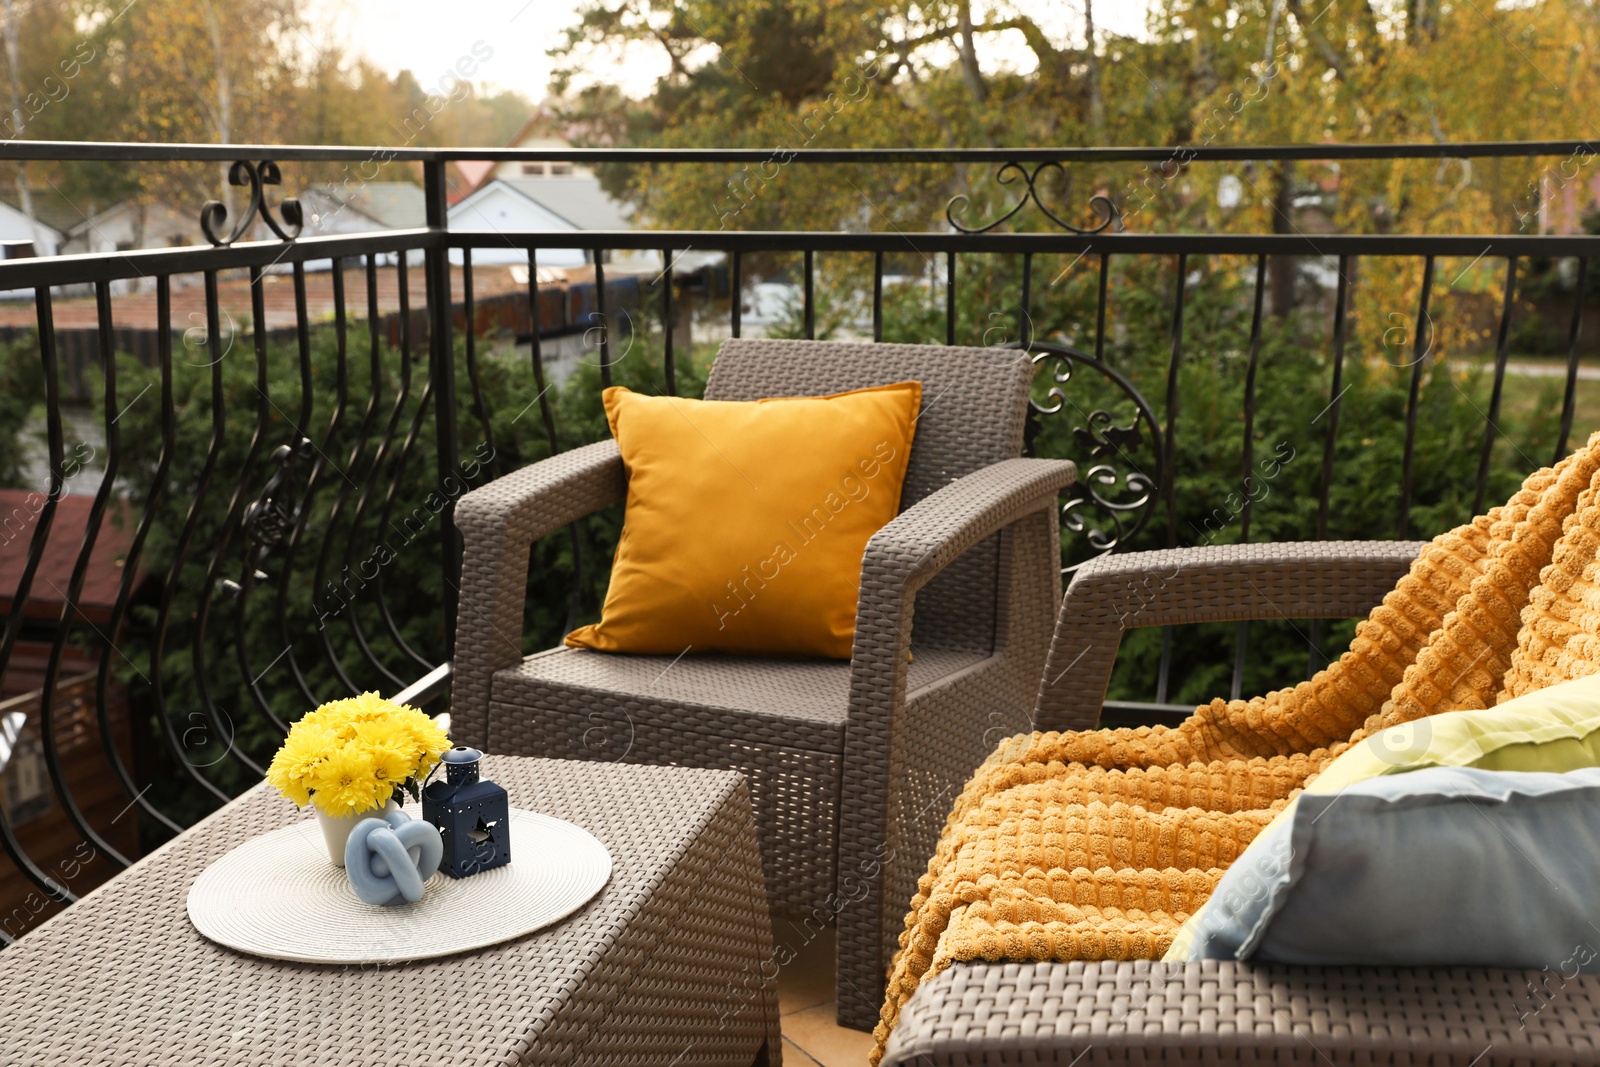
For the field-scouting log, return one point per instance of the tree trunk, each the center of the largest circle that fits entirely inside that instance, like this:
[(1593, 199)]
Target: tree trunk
[(1421, 20), (224, 112), (1097, 106), (24, 194), (1283, 267), (1272, 33), (969, 53)]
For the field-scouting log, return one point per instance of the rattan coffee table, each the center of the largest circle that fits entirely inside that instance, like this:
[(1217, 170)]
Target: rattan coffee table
[(665, 966)]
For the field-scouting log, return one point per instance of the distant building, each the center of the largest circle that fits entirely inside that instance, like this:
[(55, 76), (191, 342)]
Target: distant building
[(1559, 204), (129, 225), (510, 196), (332, 208), (326, 208), (19, 237), (573, 204), (541, 132)]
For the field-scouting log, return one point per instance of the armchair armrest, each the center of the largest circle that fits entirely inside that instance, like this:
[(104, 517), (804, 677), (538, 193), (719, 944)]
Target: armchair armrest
[(499, 523), (926, 538), (545, 496), (932, 533), (1215, 583)]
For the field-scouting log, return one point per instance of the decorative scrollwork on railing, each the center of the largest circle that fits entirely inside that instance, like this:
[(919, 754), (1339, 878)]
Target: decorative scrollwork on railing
[(270, 517), (1121, 461), (1011, 172), (257, 176)]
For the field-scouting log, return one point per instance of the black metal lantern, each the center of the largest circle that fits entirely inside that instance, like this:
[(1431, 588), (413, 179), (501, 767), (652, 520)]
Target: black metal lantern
[(472, 815)]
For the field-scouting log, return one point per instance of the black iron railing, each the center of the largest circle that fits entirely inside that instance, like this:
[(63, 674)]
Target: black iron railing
[(278, 500)]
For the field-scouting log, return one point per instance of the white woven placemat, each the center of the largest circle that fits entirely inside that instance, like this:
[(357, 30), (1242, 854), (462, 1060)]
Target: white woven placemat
[(278, 896)]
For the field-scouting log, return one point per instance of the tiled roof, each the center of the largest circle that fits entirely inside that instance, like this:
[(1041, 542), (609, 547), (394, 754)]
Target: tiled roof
[(397, 205), (19, 514)]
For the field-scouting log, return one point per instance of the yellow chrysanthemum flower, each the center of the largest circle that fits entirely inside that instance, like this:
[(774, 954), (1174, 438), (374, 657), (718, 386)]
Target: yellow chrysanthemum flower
[(427, 739), (351, 755), (346, 782), (370, 707), (392, 765), (294, 766), (375, 731)]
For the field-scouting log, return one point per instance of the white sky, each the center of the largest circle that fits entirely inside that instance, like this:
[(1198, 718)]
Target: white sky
[(429, 37)]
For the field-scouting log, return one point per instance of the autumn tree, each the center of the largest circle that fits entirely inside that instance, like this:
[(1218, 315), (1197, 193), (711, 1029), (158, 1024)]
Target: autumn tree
[(252, 71), (956, 73)]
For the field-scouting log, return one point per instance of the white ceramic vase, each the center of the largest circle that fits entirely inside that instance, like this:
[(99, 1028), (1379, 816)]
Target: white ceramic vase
[(336, 828)]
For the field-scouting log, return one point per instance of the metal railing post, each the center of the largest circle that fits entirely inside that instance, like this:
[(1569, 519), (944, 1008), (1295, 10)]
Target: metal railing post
[(442, 369)]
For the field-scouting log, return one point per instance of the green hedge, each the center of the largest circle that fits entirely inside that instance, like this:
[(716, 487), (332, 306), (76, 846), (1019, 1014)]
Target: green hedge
[(1292, 397)]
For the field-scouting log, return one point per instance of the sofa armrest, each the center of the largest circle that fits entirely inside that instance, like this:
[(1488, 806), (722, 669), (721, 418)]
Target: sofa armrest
[(499, 523), (1215, 583), (1229, 1011)]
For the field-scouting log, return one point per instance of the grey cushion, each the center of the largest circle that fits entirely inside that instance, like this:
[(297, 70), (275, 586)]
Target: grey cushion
[(1439, 866)]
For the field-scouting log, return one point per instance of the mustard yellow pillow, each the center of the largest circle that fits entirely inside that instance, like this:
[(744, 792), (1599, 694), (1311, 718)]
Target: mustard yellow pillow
[(746, 520)]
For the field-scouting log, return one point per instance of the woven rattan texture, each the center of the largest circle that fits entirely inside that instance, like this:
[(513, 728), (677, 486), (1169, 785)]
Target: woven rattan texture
[(794, 787), (907, 759), (850, 792), (1236, 1012), (499, 523), (1218, 583), (810, 697), (663, 967), (793, 770), (1061, 1013)]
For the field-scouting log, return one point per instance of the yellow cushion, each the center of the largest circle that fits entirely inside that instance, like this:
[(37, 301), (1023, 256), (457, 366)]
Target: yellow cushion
[(1555, 729), (746, 521)]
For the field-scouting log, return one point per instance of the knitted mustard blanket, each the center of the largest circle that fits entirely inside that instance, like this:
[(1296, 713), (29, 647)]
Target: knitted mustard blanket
[(1098, 844)]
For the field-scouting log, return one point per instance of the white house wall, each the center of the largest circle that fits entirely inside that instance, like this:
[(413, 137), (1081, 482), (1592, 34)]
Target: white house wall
[(14, 226), (498, 209)]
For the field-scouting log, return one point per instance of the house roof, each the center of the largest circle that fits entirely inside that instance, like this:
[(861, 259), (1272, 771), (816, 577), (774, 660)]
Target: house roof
[(99, 218), (476, 173), (396, 205), (19, 512), (469, 174), (158, 217), (497, 206), (541, 122), (578, 199)]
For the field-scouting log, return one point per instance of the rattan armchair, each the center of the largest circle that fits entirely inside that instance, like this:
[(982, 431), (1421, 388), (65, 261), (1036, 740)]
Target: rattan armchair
[(1231, 1011), (852, 765)]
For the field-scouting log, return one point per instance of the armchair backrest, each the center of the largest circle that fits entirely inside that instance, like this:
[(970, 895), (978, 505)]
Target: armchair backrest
[(974, 400), (974, 407)]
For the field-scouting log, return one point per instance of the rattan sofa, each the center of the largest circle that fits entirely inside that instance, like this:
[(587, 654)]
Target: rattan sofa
[(1231, 1011), (852, 765)]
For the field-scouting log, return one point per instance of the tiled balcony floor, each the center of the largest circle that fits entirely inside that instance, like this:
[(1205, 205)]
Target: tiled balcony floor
[(806, 1003)]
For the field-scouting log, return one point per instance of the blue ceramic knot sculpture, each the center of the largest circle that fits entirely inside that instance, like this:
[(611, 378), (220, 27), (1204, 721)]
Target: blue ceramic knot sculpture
[(389, 859)]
